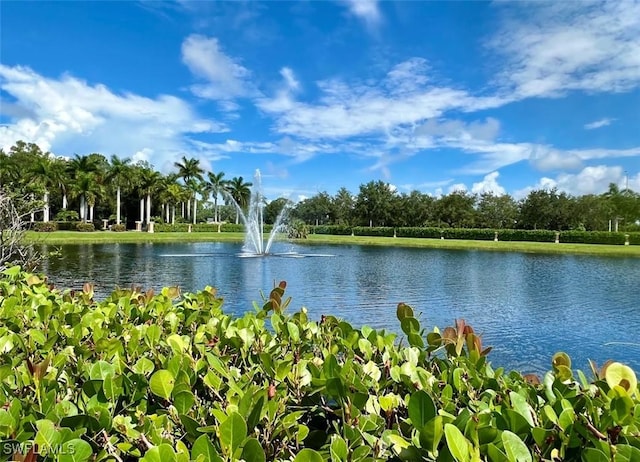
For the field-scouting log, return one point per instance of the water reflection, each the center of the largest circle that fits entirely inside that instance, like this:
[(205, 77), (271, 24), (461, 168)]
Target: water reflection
[(527, 306)]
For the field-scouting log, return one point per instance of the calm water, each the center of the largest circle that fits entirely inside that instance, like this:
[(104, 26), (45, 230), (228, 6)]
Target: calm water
[(526, 306)]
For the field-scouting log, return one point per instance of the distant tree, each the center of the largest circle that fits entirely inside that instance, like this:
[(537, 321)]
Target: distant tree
[(547, 209), (343, 206), (457, 209), (497, 211), (315, 210), (414, 209), (274, 208), (119, 175), (374, 204)]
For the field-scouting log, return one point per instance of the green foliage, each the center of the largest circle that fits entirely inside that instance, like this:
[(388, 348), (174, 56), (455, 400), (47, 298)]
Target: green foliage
[(47, 227), (592, 237), (67, 225), (372, 231), (118, 228), (85, 227), (297, 229), (67, 215), (232, 228), (172, 377), (336, 230)]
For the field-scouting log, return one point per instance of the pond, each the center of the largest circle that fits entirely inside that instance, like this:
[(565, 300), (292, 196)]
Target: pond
[(527, 306)]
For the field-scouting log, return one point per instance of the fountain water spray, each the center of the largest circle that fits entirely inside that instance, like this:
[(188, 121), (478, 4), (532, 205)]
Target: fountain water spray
[(253, 220)]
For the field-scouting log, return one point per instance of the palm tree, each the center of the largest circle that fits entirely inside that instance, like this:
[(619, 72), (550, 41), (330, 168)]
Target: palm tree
[(42, 177), (119, 174), (189, 169), (87, 187), (194, 187), (150, 181), (240, 192), (216, 185), (83, 169)]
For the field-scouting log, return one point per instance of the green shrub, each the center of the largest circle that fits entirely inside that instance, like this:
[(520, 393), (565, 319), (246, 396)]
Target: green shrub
[(47, 227), (67, 215), (373, 231), (168, 228), (469, 234), (526, 235), (85, 227), (335, 230), (118, 228), (232, 228), (432, 233), (67, 225), (592, 237), (173, 377)]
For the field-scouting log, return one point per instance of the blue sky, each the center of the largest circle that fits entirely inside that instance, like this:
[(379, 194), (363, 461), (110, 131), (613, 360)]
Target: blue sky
[(433, 96)]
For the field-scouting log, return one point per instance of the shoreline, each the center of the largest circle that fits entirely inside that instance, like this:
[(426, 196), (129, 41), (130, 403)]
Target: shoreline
[(134, 237)]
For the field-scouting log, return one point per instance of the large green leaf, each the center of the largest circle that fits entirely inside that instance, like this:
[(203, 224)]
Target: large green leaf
[(594, 455), (233, 430), (161, 383), (431, 434), (205, 448), (161, 453), (252, 451), (338, 449), (421, 409), (456, 442), (515, 448), (75, 450), (626, 453), (308, 455)]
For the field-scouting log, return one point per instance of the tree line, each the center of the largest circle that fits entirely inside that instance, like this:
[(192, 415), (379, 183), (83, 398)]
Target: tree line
[(91, 187)]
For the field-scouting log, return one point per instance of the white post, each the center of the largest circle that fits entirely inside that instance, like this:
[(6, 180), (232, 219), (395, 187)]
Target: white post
[(148, 208), (118, 206), (45, 217)]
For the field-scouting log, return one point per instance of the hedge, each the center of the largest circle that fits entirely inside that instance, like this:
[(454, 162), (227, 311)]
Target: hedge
[(379, 231), (335, 230)]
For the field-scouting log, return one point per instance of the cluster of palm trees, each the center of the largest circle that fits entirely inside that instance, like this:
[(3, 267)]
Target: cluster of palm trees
[(88, 182)]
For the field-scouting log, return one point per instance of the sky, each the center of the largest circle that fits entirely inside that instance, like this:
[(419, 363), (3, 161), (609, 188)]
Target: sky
[(501, 97)]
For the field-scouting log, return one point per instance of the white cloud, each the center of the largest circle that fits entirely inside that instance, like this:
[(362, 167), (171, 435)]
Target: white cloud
[(289, 77), (590, 180), (458, 187), (547, 158), (226, 78), (68, 115), (480, 130), (557, 47), (403, 97), (366, 10), (489, 184), (598, 123)]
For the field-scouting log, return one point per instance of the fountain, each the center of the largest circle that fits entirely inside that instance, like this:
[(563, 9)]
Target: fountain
[(253, 220)]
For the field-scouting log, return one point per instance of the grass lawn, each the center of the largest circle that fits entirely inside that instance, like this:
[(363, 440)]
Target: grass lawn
[(74, 237)]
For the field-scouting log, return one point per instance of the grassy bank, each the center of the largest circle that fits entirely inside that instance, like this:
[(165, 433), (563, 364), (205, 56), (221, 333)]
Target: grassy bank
[(127, 237), (73, 237)]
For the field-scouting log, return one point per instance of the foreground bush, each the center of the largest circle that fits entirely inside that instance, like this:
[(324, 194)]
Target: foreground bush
[(170, 377)]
